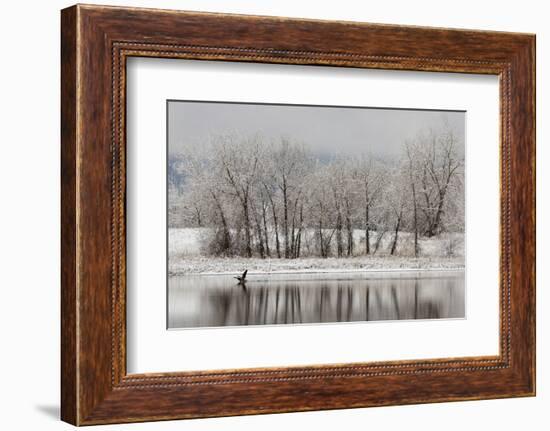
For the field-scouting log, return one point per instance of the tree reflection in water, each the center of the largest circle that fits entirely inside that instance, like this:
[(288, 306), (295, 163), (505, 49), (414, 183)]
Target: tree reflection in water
[(213, 301)]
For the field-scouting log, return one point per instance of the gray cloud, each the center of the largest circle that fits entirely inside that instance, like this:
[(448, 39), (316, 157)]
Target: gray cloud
[(380, 132)]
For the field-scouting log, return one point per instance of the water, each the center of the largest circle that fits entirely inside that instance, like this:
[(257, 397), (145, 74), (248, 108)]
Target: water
[(216, 300)]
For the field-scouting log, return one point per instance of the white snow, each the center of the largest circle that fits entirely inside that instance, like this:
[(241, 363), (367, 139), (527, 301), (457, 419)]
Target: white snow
[(185, 241)]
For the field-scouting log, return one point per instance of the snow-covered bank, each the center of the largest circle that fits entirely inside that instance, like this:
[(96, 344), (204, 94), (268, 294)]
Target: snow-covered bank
[(185, 257), (233, 265)]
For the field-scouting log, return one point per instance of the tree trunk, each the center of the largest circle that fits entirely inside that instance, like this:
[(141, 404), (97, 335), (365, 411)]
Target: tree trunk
[(264, 217), (396, 234), (349, 229), (415, 222), (285, 220), (367, 224), (275, 222), (439, 213), (292, 236), (339, 224), (339, 245), (378, 241), (259, 235), (247, 228), (299, 241), (428, 205), (226, 237), (367, 218), (198, 214), (320, 233), (277, 241), (413, 189)]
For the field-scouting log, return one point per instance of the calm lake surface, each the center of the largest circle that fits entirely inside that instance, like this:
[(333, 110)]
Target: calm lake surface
[(216, 300)]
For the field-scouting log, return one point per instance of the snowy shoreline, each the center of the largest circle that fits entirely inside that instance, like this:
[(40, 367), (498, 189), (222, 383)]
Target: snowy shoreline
[(185, 258), (328, 271), (232, 266)]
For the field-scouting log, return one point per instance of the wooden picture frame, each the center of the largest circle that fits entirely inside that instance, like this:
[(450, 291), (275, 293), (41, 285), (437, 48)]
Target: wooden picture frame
[(95, 43)]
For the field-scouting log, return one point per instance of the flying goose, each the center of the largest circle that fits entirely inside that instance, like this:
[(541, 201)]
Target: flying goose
[(242, 278)]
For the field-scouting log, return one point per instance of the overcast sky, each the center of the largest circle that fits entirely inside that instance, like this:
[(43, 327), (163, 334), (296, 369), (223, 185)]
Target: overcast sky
[(325, 130)]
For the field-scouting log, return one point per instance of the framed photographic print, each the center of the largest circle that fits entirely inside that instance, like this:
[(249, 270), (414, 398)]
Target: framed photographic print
[(268, 215), (309, 220)]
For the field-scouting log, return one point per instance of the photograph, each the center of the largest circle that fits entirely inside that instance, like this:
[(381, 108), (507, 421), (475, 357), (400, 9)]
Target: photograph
[(302, 214)]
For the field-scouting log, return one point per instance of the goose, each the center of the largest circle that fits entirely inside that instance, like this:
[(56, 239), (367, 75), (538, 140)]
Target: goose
[(242, 278)]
